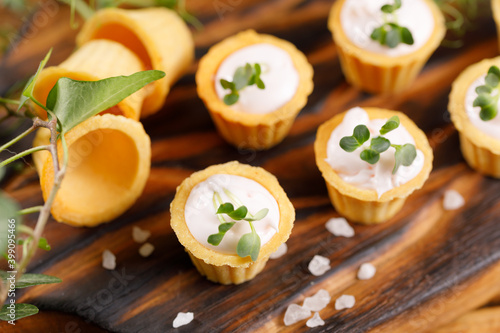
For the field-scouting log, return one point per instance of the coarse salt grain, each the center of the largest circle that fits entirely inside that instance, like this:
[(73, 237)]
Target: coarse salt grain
[(319, 265), (295, 313), (183, 318), (339, 227), (344, 302), (315, 321), (139, 235), (108, 260), (453, 200), (318, 301), (146, 249), (366, 271), (280, 252)]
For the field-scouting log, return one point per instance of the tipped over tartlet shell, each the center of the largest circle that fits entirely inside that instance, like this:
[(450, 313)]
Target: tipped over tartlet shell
[(481, 151), (378, 73), (230, 268), (363, 205), (245, 130), (158, 36), (109, 162)]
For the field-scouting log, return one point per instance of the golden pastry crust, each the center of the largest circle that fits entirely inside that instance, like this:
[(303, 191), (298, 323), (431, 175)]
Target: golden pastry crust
[(213, 263), (376, 72), (364, 205), (158, 36), (480, 150), (245, 130)]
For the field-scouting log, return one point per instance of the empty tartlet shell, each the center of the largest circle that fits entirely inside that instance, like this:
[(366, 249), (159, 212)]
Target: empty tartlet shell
[(378, 73), (363, 205), (109, 163), (94, 61), (158, 36), (481, 151), (245, 130), (230, 268)]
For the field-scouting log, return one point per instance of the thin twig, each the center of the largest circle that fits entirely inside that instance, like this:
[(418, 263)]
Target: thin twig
[(16, 139), (23, 154)]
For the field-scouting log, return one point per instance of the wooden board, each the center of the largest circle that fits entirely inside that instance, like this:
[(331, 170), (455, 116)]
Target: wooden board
[(433, 265)]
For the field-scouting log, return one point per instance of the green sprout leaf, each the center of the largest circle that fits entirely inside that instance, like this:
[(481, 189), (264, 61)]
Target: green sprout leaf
[(488, 95), (393, 38), (244, 76), (360, 135), (405, 155), (483, 90), (27, 93), (369, 155), (380, 144), (238, 214), (22, 310), (30, 280), (75, 101), (249, 245), (42, 243), (259, 216), (492, 80), (390, 125), (390, 33), (8, 213), (225, 208)]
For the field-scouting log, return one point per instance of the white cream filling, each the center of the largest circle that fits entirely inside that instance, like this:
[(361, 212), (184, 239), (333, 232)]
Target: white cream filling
[(278, 74), (202, 221), (353, 170), (490, 127), (360, 17)]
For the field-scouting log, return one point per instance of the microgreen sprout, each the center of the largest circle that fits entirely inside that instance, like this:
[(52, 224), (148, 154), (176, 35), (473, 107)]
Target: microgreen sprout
[(390, 33), (244, 76), (488, 94), (404, 155), (249, 244)]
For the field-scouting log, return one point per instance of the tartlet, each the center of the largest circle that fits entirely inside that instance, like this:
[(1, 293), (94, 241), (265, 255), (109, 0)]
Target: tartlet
[(223, 267), (379, 73), (480, 150), (364, 205), (158, 36), (244, 130)]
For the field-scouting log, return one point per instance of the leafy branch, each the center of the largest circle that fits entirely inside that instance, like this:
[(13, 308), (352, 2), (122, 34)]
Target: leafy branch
[(404, 154), (390, 33), (69, 103), (244, 76), (488, 94), (249, 244)]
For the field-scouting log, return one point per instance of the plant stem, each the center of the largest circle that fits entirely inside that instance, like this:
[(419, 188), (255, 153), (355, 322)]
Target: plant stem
[(30, 210), (23, 154), (9, 101), (16, 139), (81, 7)]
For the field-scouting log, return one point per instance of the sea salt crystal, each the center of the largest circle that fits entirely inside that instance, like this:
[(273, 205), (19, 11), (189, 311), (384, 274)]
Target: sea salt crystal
[(139, 235), (319, 265), (108, 260), (183, 318), (146, 249), (366, 271), (339, 227), (318, 301), (280, 252), (295, 313), (452, 200), (344, 302), (315, 321)]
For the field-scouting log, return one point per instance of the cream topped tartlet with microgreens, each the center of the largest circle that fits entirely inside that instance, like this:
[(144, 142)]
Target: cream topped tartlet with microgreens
[(230, 218), (383, 44), (254, 86), (372, 160), (473, 105)]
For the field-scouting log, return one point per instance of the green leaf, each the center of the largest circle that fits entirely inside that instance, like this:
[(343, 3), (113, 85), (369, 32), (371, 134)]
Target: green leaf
[(369, 155), (30, 280), (258, 70), (397, 4), (488, 112), (361, 134), (494, 70), (239, 214), (232, 98), (43, 244), (380, 144), (225, 227), (227, 85), (30, 86), (225, 208), (483, 90), (388, 9), (8, 213), (483, 101), (378, 34), (349, 144), (258, 216), (405, 155), (406, 36), (75, 101), (390, 125), (393, 38), (215, 239), (260, 84), (492, 80), (249, 245), (22, 310), (241, 76)]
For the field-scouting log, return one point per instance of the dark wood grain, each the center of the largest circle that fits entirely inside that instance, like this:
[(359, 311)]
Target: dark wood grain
[(433, 265)]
